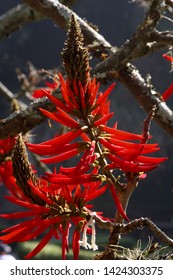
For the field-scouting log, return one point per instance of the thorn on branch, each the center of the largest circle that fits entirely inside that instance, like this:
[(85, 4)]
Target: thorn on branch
[(147, 124), (133, 225)]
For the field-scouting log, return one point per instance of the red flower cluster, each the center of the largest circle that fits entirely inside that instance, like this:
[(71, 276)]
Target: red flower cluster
[(48, 210), (168, 92), (111, 149), (6, 146), (60, 199), (52, 216)]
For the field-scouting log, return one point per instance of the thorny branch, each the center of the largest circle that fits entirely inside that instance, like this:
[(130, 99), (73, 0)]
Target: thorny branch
[(17, 17), (25, 119), (9, 96), (120, 228), (61, 14), (128, 75), (144, 41), (147, 97)]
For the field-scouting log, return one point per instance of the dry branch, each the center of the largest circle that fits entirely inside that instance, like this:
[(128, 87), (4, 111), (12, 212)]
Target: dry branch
[(24, 120), (127, 73), (133, 225), (61, 14), (15, 18), (144, 41), (9, 96), (147, 97)]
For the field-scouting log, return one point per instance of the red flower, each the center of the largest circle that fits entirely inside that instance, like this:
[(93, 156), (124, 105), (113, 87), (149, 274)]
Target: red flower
[(117, 202), (60, 146), (7, 178), (128, 156), (75, 243), (79, 101), (90, 112), (39, 93), (167, 93), (168, 57), (50, 214), (6, 145)]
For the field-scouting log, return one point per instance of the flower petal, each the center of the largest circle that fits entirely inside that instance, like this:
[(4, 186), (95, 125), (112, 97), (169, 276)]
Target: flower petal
[(120, 134), (105, 94), (59, 140), (168, 57), (168, 92), (75, 244), (61, 157), (41, 244), (57, 102), (118, 203), (27, 204), (103, 120)]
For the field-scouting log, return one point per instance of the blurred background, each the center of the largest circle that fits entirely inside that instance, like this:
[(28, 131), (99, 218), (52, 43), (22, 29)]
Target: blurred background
[(41, 43)]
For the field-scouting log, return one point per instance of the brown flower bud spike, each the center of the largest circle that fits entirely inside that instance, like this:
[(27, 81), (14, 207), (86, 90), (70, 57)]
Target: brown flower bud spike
[(22, 170)]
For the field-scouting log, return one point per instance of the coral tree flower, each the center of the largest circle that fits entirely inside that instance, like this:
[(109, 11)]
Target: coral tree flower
[(39, 93), (48, 211), (6, 146), (86, 112), (52, 217), (128, 156), (168, 57), (168, 92), (61, 198)]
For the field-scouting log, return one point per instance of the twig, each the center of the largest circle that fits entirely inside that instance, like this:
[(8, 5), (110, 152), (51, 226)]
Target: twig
[(162, 38), (15, 18), (147, 124), (133, 225), (5, 92), (138, 223), (61, 14), (147, 97), (144, 41), (129, 76), (169, 3), (25, 119), (9, 96)]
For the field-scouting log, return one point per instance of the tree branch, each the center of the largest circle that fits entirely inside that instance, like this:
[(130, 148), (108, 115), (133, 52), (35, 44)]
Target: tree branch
[(5, 92), (144, 41), (9, 96), (129, 75), (133, 225), (162, 38), (61, 14), (25, 119), (15, 18), (18, 16), (147, 97)]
